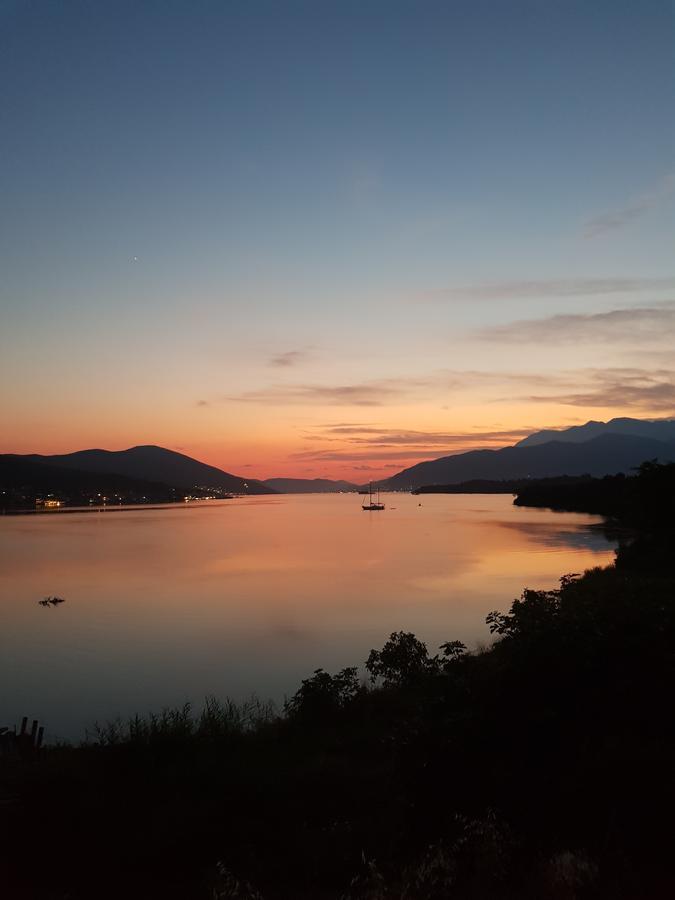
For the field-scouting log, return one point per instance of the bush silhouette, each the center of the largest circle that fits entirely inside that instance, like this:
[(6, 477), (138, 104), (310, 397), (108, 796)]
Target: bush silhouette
[(402, 660), (322, 695)]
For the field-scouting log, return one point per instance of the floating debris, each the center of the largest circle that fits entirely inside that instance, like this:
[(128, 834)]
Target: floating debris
[(52, 601)]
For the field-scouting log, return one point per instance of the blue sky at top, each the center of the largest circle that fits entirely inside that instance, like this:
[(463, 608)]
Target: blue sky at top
[(292, 171)]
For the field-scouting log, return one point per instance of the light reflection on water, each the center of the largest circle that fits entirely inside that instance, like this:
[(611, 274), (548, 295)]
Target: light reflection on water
[(168, 605)]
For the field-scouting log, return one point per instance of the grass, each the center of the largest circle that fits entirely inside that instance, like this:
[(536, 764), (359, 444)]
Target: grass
[(218, 719)]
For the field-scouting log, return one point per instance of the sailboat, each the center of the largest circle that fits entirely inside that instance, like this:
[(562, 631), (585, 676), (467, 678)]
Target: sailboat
[(373, 504)]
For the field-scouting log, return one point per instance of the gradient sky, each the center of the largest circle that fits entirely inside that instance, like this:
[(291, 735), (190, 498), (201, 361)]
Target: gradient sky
[(333, 238)]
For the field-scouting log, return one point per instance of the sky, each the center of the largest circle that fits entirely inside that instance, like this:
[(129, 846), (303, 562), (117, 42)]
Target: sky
[(333, 239)]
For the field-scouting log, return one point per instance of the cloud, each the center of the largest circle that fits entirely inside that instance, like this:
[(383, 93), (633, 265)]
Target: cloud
[(369, 393), (383, 437), (202, 403), (646, 389), (633, 325), (561, 287), (612, 220), (288, 359), (365, 455), (652, 355), (642, 204), (347, 425), (380, 392), (639, 389), (310, 394), (378, 444)]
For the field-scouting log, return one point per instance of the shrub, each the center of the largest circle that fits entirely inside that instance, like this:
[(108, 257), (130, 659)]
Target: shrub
[(402, 660), (323, 694)]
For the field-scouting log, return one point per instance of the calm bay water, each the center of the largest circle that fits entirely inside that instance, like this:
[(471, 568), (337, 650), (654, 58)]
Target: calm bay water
[(251, 595)]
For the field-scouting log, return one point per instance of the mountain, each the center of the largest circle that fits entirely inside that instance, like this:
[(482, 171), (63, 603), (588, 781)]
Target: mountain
[(308, 485), (659, 430), (607, 454), (154, 464), (24, 479)]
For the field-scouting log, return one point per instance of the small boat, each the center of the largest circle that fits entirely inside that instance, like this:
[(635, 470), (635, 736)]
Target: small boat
[(373, 504)]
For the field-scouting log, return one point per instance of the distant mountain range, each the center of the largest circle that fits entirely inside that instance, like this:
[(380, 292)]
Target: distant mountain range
[(659, 430), (153, 463), (309, 485), (596, 448), (606, 454)]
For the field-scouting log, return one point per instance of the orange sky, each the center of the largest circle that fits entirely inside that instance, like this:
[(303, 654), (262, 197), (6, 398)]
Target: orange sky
[(356, 430), (332, 242)]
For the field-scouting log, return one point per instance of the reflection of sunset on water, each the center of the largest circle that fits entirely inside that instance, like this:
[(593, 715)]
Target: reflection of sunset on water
[(251, 595)]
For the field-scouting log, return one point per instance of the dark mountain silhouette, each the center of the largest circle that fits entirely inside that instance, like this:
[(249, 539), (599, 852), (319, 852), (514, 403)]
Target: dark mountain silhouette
[(607, 454), (154, 463), (309, 485), (19, 475), (659, 430)]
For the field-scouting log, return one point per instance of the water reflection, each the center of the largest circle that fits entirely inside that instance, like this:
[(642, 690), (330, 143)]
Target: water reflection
[(166, 605), (596, 537)]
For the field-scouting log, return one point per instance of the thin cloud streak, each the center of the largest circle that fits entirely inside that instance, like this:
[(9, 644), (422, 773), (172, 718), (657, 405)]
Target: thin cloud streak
[(381, 437), (369, 393), (561, 287), (288, 359), (647, 389), (314, 394), (642, 204), (382, 392), (638, 389), (633, 325), (379, 444), (365, 455)]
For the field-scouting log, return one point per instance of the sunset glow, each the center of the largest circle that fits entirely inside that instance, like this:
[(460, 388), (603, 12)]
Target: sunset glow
[(308, 270), (337, 449)]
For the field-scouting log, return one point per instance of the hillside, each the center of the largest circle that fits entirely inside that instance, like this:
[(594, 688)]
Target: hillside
[(309, 485), (604, 455), (155, 464), (660, 430), (22, 480)]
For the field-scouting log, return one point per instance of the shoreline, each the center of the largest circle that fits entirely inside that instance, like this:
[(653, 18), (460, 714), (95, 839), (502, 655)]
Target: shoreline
[(119, 507)]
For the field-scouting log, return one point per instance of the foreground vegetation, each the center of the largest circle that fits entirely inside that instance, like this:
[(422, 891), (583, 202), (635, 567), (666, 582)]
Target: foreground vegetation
[(644, 500), (541, 767)]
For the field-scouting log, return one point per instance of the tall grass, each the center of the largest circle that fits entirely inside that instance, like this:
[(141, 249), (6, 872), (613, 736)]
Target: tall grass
[(216, 719)]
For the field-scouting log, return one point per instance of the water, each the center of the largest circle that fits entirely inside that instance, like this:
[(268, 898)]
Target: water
[(171, 604)]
